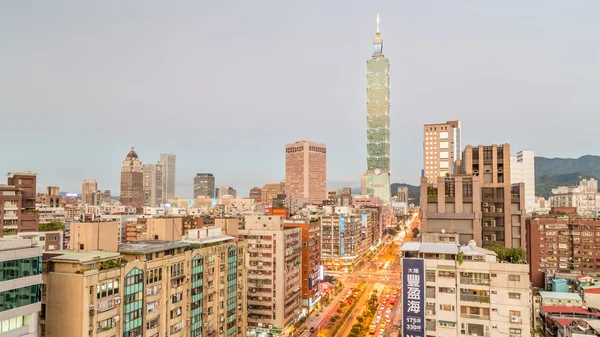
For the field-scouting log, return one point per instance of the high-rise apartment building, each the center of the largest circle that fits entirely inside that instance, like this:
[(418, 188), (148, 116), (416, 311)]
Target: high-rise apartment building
[(274, 285), (153, 184), (204, 185), (17, 204), (378, 123), (53, 198), (255, 193), (441, 149), (311, 259), (20, 287), (503, 203), (167, 161), (88, 187), (522, 170), (402, 194), (341, 241), (463, 290), (132, 181), (306, 171), (271, 191)]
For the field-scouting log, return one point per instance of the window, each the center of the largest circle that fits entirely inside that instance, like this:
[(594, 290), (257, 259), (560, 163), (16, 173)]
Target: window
[(446, 307), (515, 296), (514, 278), (105, 325), (449, 274), (515, 331), (447, 290), (514, 313)]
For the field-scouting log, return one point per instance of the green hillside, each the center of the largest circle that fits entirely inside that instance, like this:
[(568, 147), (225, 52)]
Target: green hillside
[(553, 172)]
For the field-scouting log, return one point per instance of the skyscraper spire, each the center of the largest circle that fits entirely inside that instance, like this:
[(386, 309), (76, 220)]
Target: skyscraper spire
[(377, 41), (377, 23)]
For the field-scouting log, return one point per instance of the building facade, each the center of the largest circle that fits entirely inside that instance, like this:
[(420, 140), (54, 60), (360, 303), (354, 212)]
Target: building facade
[(522, 170), (88, 187), (271, 191), (132, 181), (153, 186), (341, 241), (378, 123), (168, 161), (306, 171), (274, 283), (441, 149), (503, 203), (584, 197), (255, 193), (20, 287), (204, 185), (311, 259), (17, 204), (226, 191), (471, 295)]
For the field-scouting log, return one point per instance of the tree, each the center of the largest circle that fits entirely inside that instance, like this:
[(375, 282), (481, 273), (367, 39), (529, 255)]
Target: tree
[(512, 255), (54, 225)]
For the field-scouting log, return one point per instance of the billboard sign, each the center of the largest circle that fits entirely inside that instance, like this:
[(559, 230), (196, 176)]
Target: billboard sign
[(342, 235), (413, 297)]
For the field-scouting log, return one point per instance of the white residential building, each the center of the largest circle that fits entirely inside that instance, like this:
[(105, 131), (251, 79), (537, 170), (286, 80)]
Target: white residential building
[(468, 292), (585, 197), (522, 170), (273, 283)]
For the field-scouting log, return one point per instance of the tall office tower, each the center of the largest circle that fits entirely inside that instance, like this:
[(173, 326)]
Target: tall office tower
[(255, 193), (88, 187), (503, 203), (522, 169), (132, 181), (441, 149), (226, 190), (168, 178), (306, 171), (153, 177), (402, 193), (378, 122), (204, 185), (21, 287), (274, 284)]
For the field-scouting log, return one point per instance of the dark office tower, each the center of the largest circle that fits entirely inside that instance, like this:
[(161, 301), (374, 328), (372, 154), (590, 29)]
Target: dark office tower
[(204, 185)]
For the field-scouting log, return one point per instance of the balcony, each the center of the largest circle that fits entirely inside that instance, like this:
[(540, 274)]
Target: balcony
[(487, 318), (475, 281), (475, 298)]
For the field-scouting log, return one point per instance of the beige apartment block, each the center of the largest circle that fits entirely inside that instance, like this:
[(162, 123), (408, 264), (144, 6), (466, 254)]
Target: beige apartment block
[(478, 296), (149, 288), (88, 187), (441, 149), (503, 204), (271, 191), (274, 283), (306, 171), (452, 204), (96, 235)]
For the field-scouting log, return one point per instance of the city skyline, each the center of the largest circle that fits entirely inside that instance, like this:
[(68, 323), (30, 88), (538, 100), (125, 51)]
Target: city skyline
[(473, 73)]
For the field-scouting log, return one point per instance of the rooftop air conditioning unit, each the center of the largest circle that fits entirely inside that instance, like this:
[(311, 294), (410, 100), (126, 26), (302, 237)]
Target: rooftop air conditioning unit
[(90, 328), (486, 238), (515, 319), (499, 210)]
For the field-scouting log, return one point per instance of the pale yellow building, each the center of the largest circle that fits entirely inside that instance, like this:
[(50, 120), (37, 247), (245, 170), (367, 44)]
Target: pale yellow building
[(96, 235)]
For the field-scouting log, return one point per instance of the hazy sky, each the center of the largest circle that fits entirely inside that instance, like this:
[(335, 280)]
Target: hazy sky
[(225, 85)]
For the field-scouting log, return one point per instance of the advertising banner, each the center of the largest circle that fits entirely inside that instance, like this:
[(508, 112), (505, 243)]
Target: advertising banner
[(413, 297)]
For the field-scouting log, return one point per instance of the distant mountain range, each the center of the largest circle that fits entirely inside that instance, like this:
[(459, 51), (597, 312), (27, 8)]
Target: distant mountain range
[(553, 172)]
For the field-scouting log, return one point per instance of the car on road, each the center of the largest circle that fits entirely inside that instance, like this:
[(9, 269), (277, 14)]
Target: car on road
[(388, 319), (312, 329)]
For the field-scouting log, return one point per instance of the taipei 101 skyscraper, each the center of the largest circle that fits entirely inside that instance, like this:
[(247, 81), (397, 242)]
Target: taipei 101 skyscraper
[(378, 123)]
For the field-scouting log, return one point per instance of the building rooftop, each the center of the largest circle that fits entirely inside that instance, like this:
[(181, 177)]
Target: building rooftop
[(560, 295), (570, 311), (150, 246), (14, 242), (210, 239), (445, 248), (82, 257)]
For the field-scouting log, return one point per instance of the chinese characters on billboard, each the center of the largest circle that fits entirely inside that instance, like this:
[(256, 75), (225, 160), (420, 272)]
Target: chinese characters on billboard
[(413, 298)]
